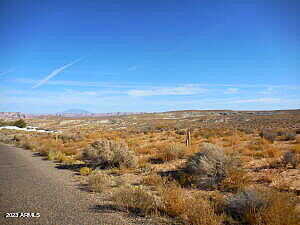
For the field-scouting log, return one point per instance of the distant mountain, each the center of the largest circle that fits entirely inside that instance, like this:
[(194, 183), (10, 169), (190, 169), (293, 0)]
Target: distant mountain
[(75, 111)]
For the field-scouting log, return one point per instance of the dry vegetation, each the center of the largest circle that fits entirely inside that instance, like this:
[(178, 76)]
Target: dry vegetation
[(238, 168)]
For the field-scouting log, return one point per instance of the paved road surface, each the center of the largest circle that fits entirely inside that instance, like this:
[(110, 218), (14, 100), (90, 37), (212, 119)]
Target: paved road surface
[(30, 184)]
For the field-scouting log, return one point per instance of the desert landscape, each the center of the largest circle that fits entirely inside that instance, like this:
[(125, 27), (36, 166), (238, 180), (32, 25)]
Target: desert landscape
[(180, 167), (135, 112)]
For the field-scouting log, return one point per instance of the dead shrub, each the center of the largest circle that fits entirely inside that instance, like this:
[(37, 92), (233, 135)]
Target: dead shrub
[(108, 153), (263, 207), (210, 167)]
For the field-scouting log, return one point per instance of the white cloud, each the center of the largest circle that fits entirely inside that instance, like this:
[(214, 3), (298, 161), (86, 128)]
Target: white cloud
[(268, 90), (184, 90), (231, 91), (90, 93), (135, 85), (259, 100), (38, 100), (83, 83)]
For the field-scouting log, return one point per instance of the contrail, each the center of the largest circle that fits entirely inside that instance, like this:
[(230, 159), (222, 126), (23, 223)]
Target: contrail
[(56, 72), (6, 72)]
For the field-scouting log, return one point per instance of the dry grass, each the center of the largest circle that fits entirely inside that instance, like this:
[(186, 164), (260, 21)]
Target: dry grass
[(271, 151), (190, 208), (137, 199), (237, 179), (85, 171), (145, 150), (56, 156), (296, 149), (99, 181), (152, 180), (279, 182), (232, 140), (171, 151), (261, 148)]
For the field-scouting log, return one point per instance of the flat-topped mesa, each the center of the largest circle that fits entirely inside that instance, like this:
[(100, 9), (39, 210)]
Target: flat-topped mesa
[(12, 115)]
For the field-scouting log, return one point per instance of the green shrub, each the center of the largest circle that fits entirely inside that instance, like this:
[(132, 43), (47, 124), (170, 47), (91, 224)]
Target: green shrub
[(290, 158), (3, 123), (269, 135), (210, 167), (287, 135), (263, 207), (19, 123)]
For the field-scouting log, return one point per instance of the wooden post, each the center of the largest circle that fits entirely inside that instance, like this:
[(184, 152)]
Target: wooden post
[(188, 139)]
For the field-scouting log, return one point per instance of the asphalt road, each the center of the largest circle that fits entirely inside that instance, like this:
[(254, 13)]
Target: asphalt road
[(29, 184)]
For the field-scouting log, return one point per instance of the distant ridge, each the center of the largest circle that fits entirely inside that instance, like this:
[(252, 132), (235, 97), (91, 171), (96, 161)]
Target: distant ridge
[(205, 110), (75, 111), (78, 113), (83, 113)]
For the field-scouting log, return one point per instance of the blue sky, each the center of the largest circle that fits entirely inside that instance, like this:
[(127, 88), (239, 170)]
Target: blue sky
[(133, 55)]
